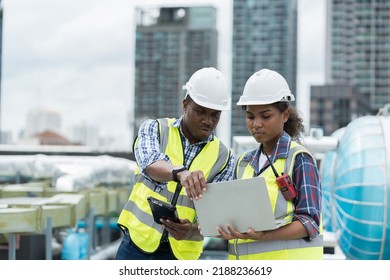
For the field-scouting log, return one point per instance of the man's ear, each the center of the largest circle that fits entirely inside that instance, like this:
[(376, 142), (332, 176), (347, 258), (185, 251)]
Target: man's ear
[(185, 105)]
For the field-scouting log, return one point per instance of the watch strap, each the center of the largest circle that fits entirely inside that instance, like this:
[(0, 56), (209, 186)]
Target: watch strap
[(175, 171)]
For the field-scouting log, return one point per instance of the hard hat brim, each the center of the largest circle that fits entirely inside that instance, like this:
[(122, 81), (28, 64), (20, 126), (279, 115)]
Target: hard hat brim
[(254, 102), (212, 106)]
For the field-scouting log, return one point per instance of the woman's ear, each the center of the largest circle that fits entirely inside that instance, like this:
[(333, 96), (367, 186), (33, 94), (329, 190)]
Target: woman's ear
[(286, 115)]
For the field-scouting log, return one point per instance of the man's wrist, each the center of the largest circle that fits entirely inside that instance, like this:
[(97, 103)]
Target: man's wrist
[(176, 170)]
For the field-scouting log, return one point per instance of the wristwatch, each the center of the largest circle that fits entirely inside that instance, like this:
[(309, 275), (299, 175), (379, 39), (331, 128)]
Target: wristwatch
[(177, 170)]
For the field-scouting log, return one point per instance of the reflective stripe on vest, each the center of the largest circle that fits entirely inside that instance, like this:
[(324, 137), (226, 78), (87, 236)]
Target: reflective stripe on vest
[(249, 248), (283, 212), (136, 215)]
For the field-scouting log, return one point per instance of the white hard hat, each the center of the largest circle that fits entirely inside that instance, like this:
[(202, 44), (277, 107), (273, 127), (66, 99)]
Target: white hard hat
[(265, 87), (207, 87)]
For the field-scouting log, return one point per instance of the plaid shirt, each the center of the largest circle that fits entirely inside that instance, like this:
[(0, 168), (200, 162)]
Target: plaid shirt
[(147, 151), (305, 178)]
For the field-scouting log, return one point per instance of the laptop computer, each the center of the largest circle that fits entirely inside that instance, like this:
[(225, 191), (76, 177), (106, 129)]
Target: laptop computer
[(241, 203)]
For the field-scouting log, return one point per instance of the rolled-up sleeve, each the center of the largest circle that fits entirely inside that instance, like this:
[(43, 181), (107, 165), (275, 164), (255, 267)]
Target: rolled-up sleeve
[(309, 194), (147, 147)]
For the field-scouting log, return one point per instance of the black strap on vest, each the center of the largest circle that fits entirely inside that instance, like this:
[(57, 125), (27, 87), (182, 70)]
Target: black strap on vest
[(164, 237), (176, 194)]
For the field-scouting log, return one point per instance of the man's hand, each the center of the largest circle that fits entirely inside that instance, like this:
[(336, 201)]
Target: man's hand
[(183, 230), (193, 182)]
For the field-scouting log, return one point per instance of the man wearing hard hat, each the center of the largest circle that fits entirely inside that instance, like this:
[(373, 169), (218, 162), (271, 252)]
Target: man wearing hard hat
[(176, 152)]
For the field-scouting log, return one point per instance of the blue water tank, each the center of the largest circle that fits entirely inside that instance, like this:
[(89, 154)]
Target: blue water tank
[(326, 174), (84, 244), (71, 246), (327, 182), (75, 245), (360, 194)]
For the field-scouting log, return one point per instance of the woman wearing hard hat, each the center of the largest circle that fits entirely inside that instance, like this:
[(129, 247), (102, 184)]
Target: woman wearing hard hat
[(290, 172)]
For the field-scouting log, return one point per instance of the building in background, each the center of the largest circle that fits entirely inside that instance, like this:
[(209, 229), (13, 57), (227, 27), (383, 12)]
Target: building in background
[(43, 127), (6, 137), (171, 44), (264, 36), (85, 134), (335, 106), (48, 137), (358, 52), (39, 120)]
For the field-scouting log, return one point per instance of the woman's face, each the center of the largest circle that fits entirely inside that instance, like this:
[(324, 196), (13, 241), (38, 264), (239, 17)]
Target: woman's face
[(265, 123), (199, 122)]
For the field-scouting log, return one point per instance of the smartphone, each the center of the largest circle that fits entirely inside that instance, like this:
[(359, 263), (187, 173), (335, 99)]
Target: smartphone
[(161, 209)]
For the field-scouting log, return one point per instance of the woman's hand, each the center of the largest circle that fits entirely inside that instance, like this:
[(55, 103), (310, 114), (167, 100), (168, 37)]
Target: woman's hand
[(234, 234)]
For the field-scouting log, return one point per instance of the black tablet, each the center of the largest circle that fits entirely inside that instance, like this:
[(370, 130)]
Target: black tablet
[(162, 209)]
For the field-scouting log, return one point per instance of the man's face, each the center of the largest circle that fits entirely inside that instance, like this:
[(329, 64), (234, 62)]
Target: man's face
[(198, 122)]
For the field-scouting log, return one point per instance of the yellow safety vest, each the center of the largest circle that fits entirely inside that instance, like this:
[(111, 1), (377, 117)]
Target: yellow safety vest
[(297, 249), (137, 216)]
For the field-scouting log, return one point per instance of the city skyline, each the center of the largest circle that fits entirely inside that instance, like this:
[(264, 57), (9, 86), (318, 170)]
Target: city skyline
[(169, 49), (83, 67), (264, 36)]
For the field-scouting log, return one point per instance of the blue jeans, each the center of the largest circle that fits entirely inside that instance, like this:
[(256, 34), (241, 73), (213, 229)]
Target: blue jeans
[(129, 251)]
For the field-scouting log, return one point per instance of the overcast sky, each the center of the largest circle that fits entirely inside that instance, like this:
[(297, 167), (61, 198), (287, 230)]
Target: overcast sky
[(76, 58)]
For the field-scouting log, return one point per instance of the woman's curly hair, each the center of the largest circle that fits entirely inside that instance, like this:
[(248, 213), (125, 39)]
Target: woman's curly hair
[(294, 125)]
